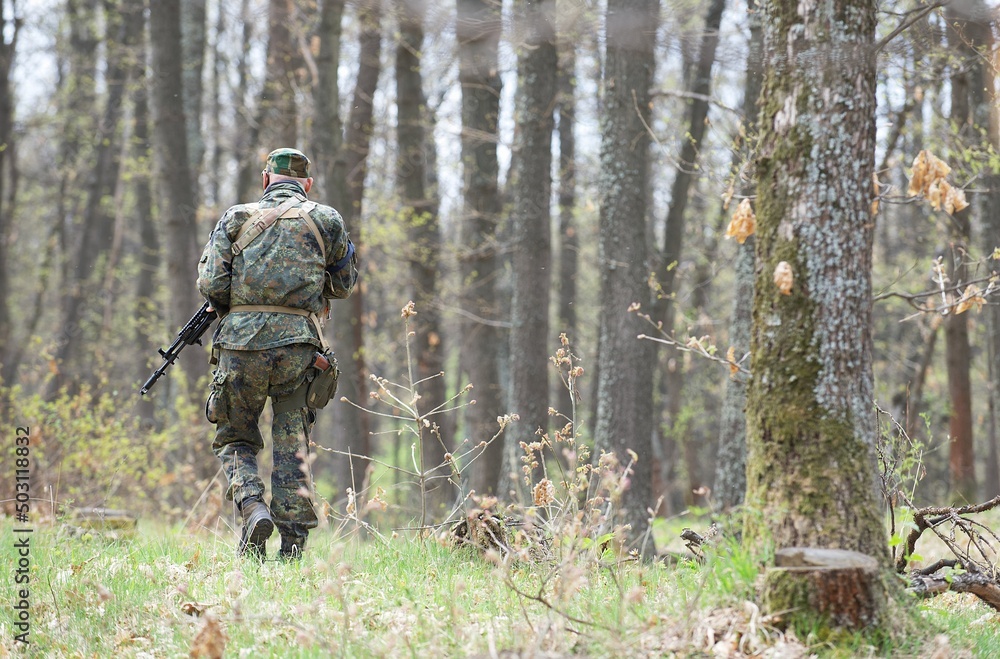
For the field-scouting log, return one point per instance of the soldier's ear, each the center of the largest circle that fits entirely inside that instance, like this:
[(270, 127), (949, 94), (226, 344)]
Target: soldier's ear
[(264, 179), (309, 183)]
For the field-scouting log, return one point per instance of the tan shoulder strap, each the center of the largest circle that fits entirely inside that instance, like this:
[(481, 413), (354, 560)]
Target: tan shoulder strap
[(303, 212), (258, 223)]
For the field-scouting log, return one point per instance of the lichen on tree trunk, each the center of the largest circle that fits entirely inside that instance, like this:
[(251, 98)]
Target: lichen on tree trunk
[(811, 468)]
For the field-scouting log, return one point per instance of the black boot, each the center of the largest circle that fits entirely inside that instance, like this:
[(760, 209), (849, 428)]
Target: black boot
[(291, 547), (257, 528)]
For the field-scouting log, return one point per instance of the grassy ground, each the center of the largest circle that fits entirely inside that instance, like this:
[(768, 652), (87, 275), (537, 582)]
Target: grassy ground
[(173, 592)]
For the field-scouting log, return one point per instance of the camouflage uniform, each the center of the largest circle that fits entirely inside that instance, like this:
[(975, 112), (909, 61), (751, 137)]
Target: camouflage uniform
[(265, 354)]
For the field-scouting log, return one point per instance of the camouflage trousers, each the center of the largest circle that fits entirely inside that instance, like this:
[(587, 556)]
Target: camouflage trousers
[(241, 385)]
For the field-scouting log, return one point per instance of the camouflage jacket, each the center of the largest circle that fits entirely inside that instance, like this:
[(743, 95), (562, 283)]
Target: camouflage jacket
[(282, 267)]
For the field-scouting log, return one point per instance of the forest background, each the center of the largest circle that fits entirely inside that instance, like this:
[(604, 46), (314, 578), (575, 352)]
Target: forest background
[(463, 146)]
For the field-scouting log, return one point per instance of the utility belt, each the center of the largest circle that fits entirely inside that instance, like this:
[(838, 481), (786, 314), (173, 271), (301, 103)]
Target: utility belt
[(320, 384)]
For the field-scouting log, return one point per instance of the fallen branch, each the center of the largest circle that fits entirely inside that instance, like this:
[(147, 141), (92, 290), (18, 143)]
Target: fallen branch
[(978, 584)]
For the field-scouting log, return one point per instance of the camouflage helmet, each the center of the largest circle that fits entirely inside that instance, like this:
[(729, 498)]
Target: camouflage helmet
[(287, 162)]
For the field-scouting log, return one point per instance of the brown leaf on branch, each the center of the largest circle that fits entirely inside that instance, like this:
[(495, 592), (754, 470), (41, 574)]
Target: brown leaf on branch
[(734, 368), (972, 297), (927, 168), (928, 180), (743, 223)]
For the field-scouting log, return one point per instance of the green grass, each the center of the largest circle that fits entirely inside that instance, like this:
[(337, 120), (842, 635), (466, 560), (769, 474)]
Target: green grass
[(94, 597)]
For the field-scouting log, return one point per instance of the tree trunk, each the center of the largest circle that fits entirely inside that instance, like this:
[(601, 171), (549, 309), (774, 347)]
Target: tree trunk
[(989, 202), (220, 67), (329, 188), (841, 585), (175, 194), (277, 115), (624, 407), (569, 242), (353, 425), (969, 112), (146, 307), (811, 464), (7, 51), (193, 17), (420, 211), (700, 85), (528, 386), (327, 128), (248, 158), (98, 213), (477, 28), (730, 472)]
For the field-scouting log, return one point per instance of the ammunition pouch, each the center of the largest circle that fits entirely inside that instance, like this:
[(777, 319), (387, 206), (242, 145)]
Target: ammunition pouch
[(318, 388)]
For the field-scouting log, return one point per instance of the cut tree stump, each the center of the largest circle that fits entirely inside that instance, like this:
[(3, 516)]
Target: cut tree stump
[(842, 586)]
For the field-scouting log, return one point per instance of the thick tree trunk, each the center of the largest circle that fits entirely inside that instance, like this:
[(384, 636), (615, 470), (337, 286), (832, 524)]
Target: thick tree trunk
[(569, 241), (730, 471), (624, 407), (842, 585), (811, 465), (528, 386), (175, 193), (478, 28), (353, 426), (420, 209)]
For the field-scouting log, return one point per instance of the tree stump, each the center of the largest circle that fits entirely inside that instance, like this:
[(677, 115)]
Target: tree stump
[(843, 587)]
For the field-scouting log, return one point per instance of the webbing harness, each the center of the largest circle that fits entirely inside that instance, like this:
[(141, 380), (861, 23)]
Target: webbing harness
[(259, 222)]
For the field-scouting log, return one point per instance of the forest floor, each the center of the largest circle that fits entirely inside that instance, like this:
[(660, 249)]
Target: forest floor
[(168, 592)]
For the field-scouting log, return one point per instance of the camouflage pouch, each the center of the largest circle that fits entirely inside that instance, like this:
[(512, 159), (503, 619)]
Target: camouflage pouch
[(317, 390), (323, 386), (216, 408)]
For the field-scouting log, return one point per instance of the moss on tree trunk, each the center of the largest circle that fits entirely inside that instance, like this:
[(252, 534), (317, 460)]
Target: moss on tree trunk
[(810, 426)]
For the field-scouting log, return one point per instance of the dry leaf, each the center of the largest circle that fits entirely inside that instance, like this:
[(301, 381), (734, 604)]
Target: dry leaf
[(731, 358), (928, 180), (194, 608), (784, 279), (210, 641), (743, 223), (972, 297), (955, 201)]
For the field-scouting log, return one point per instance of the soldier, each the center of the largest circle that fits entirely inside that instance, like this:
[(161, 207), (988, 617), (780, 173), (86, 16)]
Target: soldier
[(270, 269)]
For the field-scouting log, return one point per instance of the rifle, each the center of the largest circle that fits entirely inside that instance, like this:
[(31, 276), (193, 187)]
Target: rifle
[(190, 334)]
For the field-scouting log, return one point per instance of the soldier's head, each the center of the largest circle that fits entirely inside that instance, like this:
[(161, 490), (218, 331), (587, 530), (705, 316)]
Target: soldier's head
[(286, 164)]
